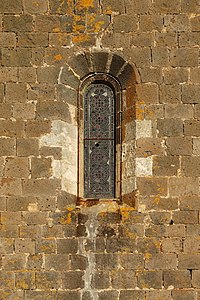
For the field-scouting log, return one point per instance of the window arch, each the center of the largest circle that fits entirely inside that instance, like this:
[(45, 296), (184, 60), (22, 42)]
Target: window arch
[(100, 138)]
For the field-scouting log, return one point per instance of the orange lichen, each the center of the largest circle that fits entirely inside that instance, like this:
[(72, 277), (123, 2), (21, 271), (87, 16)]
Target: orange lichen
[(58, 57), (80, 38), (85, 4), (56, 29), (140, 107), (125, 213)]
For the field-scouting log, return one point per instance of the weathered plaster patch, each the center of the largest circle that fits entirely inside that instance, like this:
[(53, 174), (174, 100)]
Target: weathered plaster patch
[(64, 135), (143, 166), (143, 129)]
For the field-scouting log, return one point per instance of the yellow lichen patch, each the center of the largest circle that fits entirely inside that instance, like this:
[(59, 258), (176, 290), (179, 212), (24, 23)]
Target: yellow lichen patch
[(79, 23), (130, 234), (94, 25), (156, 200), (148, 256), (85, 4), (56, 29), (80, 38), (108, 11), (58, 57), (140, 110), (125, 213)]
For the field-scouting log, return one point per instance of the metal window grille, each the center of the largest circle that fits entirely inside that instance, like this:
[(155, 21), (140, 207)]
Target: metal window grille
[(99, 141)]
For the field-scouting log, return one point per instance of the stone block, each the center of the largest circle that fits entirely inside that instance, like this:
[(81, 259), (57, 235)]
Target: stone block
[(14, 262), (31, 231), (41, 167), (190, 203), (25, 280), (165, 165), (159, 218), (35, 128), (150, 279), (191, 243), (185, 217), (100, 280), (143, 166), (190, 166), (72, 280), (66, 94), (177, 230), (170, 94), (191, 127), (175, 75), (156, 231), (183, 295), (121, 244), (133, 6), (180, 22), (66, 246), (195, 23), (59, 7), (59, 39), (125, 23), (55, 231), (24, 111), (184, 57), (54, 110), (17, 167), (189, 39), (16, 57), (47, 280), (5, 110), (108, 295), (10, 128), (143, 129), (142, 39), (24, 246), (75, 295), (150, 22), (16, 92), (131, 261), (152, 186), (40, 295), (151, 74), (35, 7), (165, 6), (47, 23), (161, 262), (196, 278), (33, 39), (113, 6), (195, 73), (57, 262), (7, 39), (140, 56), (31, 218), (41, 92), (2, 203), (158, 294), (190, 6), (1, 91), (183, 186), (79, 262), (160, 56), (149, 146), (8, 74), (6, 246), (164, 39), (47, 246), (190, 93), (10, 186), (148, 245), (172, 245), (48, 74), (189, 261), (170, 127), (154, 112), (147, 93), (179, 146), (132, 295), (9, 231), (38, 56), (7, 281), (34, 262), (116, 40), (11, 7), (18, 23), (27, 147)]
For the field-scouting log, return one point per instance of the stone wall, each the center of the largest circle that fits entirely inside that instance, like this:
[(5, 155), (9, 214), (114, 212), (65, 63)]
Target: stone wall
[(54, 245)]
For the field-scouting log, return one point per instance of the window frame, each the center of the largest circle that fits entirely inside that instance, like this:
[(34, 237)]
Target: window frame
[(116, 87)]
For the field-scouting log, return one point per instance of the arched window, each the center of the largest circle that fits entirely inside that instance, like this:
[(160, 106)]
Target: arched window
[(100, 138)]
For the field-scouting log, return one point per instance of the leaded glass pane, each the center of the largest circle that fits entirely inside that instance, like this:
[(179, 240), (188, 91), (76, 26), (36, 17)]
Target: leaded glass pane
[(99, 142)]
